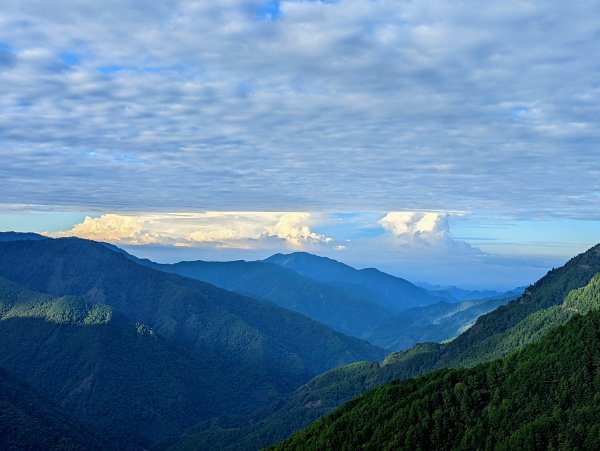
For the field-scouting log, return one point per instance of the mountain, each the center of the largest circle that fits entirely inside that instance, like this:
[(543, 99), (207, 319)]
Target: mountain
[(546, 396), (393, 293), (105, 368), (164, 331), (29, 421), (18, 236), (336, 305), (432, 323), (507, 329), (453, 294), (332, 305)]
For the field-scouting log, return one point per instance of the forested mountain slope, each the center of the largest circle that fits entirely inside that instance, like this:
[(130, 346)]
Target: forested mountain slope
[(393, 293), (114, 374), (208, 350), (343, 307), (509, 333), (334, 306), (546, 396)]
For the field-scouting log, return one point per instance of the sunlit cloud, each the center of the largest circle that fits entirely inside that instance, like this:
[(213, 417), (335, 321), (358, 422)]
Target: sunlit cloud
[(446, 247), (217, 229), (415, 226), (423, 231)]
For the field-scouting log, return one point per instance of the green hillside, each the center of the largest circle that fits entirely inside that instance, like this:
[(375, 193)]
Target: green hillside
[(480, 343), (116, 375), (346, 308), (276, 349), (334, 306), (141, 354), (546, 396)]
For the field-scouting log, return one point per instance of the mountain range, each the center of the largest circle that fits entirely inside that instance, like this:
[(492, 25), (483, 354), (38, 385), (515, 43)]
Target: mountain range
[(97, 333), (495, 335), (388, 311), (544, 397), (102, 350)]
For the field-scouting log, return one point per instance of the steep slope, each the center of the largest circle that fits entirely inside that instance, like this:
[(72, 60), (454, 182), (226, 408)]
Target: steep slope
[(333, 306), (431, 323), (338, 306), (392, 293), (115, 375), (504, 330), (545, 397), (260, 349), (29, 421)]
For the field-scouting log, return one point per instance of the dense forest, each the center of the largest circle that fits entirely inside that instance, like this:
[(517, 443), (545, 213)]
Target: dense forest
[(497, 334), (546, 396), (140, 355)]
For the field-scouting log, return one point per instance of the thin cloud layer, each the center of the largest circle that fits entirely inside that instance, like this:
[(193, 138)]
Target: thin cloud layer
[(301, 105)]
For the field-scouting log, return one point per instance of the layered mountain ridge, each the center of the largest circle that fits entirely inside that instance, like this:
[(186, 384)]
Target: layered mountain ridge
[(489, 338), (127, 329)]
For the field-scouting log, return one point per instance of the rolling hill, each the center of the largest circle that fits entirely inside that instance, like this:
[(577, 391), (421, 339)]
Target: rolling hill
[(332, 305), (343, 307)]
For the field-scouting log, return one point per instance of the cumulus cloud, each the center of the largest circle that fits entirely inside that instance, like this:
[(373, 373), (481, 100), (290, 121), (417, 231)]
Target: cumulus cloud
[(419, 231), (115, 229), (218, 229), (416, 225)]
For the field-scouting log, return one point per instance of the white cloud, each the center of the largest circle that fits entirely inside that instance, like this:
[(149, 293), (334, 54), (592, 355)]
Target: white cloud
[(115, 229), (423, 231), (411, 226), (218, 229)]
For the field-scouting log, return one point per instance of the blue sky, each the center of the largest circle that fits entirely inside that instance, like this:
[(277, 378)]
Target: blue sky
[(341, 112)]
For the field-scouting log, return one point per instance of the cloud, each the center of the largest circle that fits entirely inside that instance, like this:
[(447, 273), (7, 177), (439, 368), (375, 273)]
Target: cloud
[(216, 229), (411, 226), (116, 229), (328, 106), (417, 245), (418, 232)]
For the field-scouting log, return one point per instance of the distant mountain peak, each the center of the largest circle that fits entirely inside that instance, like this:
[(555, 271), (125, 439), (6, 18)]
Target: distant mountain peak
[(20, 236), (391, 292)]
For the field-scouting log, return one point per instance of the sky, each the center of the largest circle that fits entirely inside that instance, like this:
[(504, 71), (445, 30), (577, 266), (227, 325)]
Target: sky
[(450, 142)]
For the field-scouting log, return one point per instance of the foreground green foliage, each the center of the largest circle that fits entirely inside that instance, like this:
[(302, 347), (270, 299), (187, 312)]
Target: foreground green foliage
[(546, 396)]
